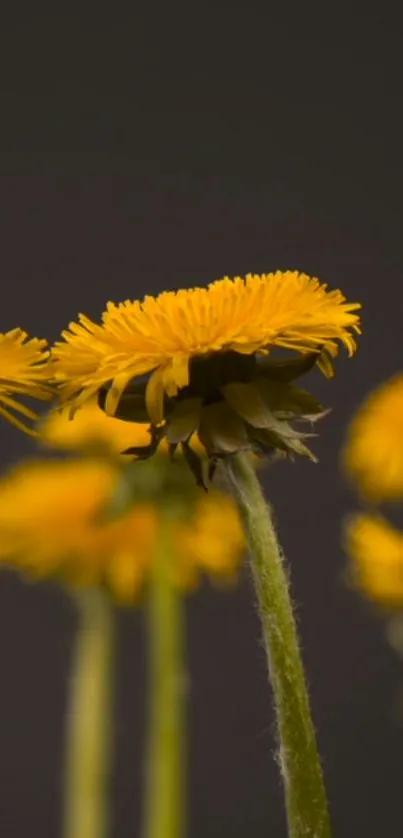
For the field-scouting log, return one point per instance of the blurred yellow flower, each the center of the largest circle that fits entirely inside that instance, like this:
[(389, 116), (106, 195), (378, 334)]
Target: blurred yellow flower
[(55, 520), (24, 371), (373, 453), (376, 551), (91, 428), (193, 361)]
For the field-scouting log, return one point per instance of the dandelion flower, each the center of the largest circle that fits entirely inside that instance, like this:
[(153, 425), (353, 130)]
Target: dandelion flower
[(60, 519), (376, 550), (24, 371), (373, 453), (197, 360)]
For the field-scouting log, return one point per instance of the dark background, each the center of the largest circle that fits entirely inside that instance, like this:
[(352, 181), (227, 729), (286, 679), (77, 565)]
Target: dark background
[(166, 149)]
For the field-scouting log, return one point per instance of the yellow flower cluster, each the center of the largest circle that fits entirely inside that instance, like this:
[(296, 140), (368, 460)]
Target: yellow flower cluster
[(148, 401), (187, 371), (373, 459)]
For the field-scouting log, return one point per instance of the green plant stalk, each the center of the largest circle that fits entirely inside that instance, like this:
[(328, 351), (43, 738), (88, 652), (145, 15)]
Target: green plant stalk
[(89, 723), (306, 804), (164, 813)]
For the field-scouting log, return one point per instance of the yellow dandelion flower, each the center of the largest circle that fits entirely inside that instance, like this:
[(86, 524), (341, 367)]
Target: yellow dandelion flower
[(56, 520), (24, 371), (373, 453), (91, 428), (376, 550), (196, 360)]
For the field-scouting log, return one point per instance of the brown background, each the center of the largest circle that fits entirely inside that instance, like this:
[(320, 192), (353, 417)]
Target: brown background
[(165, 150)]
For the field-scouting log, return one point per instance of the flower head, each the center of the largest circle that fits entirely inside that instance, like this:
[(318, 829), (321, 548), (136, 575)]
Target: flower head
[(376, 550), (373, 453), (83, 522), (24, 371), (196, 360)]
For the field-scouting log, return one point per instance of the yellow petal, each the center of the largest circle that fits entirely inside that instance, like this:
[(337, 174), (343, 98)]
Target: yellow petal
[(155, 397)]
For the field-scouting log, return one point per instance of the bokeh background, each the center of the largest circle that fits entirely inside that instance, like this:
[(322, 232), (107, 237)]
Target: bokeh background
[(167, 148)]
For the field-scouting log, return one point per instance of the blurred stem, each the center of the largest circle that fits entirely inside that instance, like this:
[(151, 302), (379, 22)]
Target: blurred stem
[(88, 735), (306, 804), (165, 792)]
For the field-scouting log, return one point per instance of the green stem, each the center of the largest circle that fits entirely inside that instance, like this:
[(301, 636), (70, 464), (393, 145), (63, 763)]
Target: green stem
[(88, 735), (306, 804), (164, 806)]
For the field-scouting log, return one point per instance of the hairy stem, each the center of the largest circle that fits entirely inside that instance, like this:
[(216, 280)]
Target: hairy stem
[(306, 804)]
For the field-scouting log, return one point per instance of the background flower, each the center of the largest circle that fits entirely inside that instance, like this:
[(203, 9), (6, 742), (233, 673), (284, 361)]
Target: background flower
[(65, 519), (376, 551), (91, 428), (373, 453), (23, 371)]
